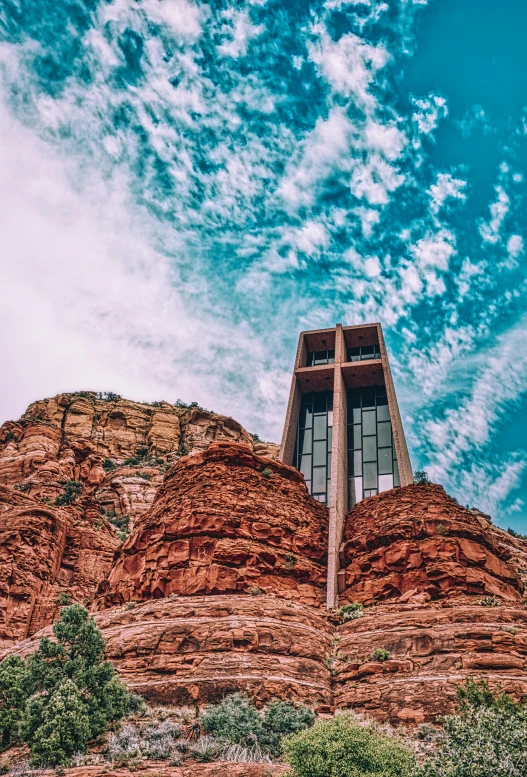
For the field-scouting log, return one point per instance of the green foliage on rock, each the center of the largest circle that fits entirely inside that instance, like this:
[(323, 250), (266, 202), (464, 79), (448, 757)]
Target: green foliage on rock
[(64, 694), (235, 720), (72, 491), (487, 736), (340, 747)]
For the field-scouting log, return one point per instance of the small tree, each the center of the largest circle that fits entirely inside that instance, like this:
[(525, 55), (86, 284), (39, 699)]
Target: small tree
[(72, 491), (14, 690), (234, 720), (421, 477), (58, 728)]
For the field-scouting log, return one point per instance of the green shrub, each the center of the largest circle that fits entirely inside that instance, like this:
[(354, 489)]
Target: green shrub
[(486, 737), (72, 491), (236, 721), (266, 473), (56, 727), (342, 748), (290, 560), (421, 477), (108, 465), (489, 601), (65, 683), (255, 437), (63, 599), (349, 612), (380, 654)]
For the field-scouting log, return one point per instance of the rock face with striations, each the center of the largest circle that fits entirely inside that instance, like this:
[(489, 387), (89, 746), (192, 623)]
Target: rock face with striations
[(119, 450), (221, 584), (226, 521)]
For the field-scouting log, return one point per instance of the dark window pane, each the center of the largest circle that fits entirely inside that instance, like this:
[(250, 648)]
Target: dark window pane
[(319, 479), (383, 413), (319, 427), (368, 422), (369, 449), (306, 418), (305, 467), (354, 491), (384, 434), (396, 478), (304, 441), (320, 401), (321, 357), (330, 400), (353, 354), (367, 351), (370, 475), (319, 453), (357, 463), (330, 437), (368, 397), (385, 461), (381, 395), (310, 358), (331, 357), (357, 437), (353, 398)]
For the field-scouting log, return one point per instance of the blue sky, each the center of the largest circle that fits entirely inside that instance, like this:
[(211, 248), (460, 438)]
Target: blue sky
[(185, 186)]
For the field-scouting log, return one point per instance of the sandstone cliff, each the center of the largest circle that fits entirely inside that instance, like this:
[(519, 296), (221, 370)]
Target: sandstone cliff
[(220, 584)]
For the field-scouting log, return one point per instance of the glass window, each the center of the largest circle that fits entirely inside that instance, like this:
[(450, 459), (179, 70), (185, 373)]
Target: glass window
[(320, 497), (353, 354), (368, 422), (370, 492), (357, 463), (354, 397), (370, 475), (385, 482), (329, 467), (330, 417), (385, 461), (320, 401), (357, 437), (330, 437), (306, 417), (331, 357), (308, 485), (319, 427), (384, 434), (396, 478), (319, 479), (304, 441), (321, 357), (319, 453), (354, 491), (369, 449), (368, 397), (367, 352), (383, 413), (305, 467), (356, 415)]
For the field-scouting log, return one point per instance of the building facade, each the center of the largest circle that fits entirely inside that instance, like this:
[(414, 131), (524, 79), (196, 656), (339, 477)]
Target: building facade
[(343, 429)]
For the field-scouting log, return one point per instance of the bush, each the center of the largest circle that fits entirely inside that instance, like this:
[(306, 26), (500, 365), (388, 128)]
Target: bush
[(380, 654), (72, 491), (486, 737), (421, 477), (489, 601), (206, 749), (266, 472), (349, 612), (65, 683), (342, 748), (63, 599), (58, 727), (236, 721), (108, 396), (108, 465)]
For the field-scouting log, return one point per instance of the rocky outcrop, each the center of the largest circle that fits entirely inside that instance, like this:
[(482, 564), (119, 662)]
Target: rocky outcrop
[(218, 769), (119, 450), (226, 521), (44, 551), (416, 543)]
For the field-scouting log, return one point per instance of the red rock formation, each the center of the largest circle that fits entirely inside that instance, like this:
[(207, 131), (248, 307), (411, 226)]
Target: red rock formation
[(70, 436), (219, 525), (218, 769), (45, 550), (417, 542)]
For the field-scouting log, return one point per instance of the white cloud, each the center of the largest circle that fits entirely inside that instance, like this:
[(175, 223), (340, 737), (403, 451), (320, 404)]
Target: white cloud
[(446, 187), (515, 246), (490, 231), (238, 32), (428, 112)]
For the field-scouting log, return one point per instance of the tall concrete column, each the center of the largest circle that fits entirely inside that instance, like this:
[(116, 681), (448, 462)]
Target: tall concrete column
[(339, 465)]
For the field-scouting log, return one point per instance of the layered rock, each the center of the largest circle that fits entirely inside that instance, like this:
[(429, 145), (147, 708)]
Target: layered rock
[(226, 521), (419, 543), (157, 769), (46, 550), (119, 450)]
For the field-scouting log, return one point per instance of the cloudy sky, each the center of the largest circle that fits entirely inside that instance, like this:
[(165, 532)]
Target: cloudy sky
[(186, 185)]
